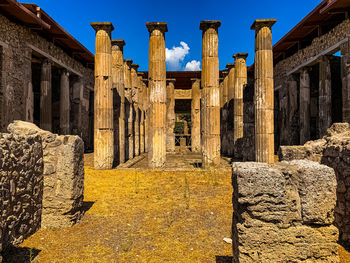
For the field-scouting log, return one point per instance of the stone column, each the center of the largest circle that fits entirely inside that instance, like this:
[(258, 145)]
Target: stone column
[(170, 108), (231, 68), (146, 109), (304, 106), (46, 96), (324, 97), (263, 93), (345, 75), (142, 112), (157, 85), (119, 88), (64, 103), (135, 94), (103, 110), (211, 96), (224, 114), (196, 116), (130, 108), (240, 84)]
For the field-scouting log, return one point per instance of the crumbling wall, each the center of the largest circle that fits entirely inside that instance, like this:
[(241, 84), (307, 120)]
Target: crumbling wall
[(332, 150), (63, 174), (284, 212), (21, 187)]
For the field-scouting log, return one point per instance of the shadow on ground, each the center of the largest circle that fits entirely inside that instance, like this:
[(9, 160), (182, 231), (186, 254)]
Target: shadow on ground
[(223, 259), (15, 254)]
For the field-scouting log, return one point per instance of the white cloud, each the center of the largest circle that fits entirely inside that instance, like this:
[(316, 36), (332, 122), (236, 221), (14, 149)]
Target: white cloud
[(176, 55), (194, 65)]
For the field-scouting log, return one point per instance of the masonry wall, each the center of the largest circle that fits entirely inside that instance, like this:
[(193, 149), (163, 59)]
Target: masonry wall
[(332, 150), (63, 175), (16, 75), (21, 187), (287, 86), (284, 212)]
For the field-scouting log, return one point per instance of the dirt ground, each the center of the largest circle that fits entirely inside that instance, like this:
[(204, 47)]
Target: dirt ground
[(145, 217), (149, 216)]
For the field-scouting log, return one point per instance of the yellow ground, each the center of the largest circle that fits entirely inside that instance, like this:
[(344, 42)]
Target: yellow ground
[(145, 217)]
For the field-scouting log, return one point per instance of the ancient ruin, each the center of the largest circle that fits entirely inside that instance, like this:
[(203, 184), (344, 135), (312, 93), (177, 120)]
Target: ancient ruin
[(280, 127)]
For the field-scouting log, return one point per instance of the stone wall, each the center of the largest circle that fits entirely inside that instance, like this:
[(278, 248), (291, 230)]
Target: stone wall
[(21, 187), (63, 174), (284, 212), (332, 150), (16, 74)]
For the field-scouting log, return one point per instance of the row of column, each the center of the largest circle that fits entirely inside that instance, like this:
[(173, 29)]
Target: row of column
[(120, 111)]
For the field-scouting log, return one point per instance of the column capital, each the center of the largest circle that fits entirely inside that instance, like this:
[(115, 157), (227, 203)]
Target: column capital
[(161, 26), (240, 55), (170, 81), (128, 62), (224, 73), (135, 66), (260, 23), (106, 26), (119, 43), (64, 71), (141, 74), (204, 25), (230, 65)]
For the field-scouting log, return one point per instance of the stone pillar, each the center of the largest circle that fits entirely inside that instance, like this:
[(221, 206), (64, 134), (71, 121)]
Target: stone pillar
[(304, 106), (64, 103), (130, 108), (46, 96), (224, 113), (196, 116), (345, 75), (170, 107), (240, 84), (135, 95), (103, 109), (146, 109), (142, 111), (119, 88), (324, 97), (210, 87), (231, 68), (225, 90), (157, 85), (263, 93)]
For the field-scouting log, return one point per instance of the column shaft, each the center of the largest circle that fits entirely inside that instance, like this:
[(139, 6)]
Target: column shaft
[(103, 109), (196, 116), (170, 146), (135, 95), (46, 96), (64, 103), (129, 109), (157, 85), (324, 98), (230, 109), (264, 121), (304, 107)]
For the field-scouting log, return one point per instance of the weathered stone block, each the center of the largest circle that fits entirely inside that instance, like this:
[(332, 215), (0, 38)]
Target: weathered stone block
[(63, 174), (280, 214)]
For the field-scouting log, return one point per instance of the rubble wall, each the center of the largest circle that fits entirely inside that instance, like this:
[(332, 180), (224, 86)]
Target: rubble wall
[(21, 187), (284, 212)]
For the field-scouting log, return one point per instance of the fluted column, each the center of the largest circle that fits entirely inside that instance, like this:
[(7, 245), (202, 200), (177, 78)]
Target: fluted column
[(141, 96), (211, 96), (263, 94), (46, 96), (103, 110), (304, 106), (135, 95), (119, 89), (129, 109), (324, 97), (157, 85), (64, 102), (231, 79), (224, 114), (146, 109), (240, 83), (196, 116), (170, 103)]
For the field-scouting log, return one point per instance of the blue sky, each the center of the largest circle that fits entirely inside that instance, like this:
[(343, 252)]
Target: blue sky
[(183, 17)]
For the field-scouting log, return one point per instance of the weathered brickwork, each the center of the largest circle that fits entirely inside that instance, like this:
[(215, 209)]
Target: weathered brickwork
[(287, 87), (16, 76), (21, 187), (332, 150), (280, 214), (63, 174)]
